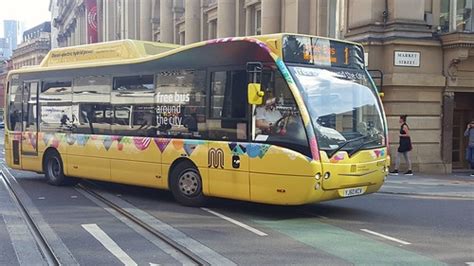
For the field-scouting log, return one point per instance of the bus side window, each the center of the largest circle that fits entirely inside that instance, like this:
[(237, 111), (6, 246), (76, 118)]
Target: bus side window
[(14, 106), (133, 106), (55, 106), (92, 112), (30, 96), (180, 104), (278, 119), (228, 113)]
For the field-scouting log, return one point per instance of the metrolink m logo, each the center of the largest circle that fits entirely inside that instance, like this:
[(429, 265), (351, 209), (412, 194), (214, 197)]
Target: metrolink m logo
[(215, 158)]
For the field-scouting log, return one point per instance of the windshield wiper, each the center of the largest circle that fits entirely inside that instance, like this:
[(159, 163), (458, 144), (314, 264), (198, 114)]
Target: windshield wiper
[(356, 149), (345, 143)]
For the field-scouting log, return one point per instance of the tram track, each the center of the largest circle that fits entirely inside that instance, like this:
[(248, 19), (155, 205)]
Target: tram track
[(41, 241), (194, 258)]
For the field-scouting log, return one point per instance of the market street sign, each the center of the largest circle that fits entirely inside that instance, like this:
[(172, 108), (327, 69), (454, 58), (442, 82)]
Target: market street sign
[(409, 59)]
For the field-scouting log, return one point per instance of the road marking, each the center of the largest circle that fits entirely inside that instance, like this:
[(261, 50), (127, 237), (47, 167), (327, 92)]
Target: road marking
[(202, 251), (314, 215), (386, 237), (470, 263), (251, 229), (108, 243)]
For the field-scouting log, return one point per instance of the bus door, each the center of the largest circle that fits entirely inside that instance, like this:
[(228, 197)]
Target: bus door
[(29, 136), (281, 169), (228, 124)]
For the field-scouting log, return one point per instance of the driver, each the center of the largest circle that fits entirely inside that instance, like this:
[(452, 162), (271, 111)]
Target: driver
[(267, 115)]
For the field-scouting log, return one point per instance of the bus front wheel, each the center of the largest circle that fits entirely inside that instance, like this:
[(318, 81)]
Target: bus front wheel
[(54, 171), (186, 185)]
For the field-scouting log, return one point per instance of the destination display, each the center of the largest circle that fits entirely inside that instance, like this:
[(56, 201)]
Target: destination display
[(322, 52)]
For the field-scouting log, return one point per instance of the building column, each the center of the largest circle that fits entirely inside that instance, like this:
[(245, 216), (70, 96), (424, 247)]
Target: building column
[(166, 21), (130, 20), (155, 17), (81, 30), (145, 20), (225, 18), (110, 20), (447, 130), (271, 13), (452, 15), (406, 10), (192, 21), (204, 25)]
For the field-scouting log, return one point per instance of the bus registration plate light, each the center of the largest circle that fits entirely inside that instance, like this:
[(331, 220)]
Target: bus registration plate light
[(349, 192)]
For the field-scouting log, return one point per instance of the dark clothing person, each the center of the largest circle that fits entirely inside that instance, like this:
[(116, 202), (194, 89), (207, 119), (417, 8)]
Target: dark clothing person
[(470, 145), (404, 148), (405, 141)]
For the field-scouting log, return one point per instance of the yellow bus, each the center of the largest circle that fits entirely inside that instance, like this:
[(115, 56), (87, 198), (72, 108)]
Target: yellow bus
[(280, 119)]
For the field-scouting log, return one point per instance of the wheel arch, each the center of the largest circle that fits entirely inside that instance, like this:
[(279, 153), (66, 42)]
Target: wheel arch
[(48, 151), (202, 172), (177, 162)]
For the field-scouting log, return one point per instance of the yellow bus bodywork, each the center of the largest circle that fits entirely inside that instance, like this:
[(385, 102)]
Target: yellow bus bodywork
[(267, 173)]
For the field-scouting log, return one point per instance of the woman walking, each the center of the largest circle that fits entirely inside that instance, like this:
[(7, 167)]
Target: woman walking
[(470, 145), (405, 146)]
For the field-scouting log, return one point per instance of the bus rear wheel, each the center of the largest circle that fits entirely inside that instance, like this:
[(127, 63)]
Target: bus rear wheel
[(53, 170), (186, 185)]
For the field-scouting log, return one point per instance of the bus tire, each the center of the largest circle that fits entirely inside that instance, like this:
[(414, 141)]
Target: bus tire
[(54, 171), (186, 184)]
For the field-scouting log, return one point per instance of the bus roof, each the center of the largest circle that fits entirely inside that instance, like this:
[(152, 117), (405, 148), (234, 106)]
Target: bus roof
[(104, 52), (134, 51)]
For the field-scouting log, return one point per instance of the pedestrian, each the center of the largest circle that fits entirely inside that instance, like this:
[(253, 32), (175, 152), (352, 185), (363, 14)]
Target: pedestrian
[(404, 147), (470, 145)]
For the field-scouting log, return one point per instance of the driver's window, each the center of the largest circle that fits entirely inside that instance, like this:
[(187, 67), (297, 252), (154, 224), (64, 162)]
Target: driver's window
[(278, 119)]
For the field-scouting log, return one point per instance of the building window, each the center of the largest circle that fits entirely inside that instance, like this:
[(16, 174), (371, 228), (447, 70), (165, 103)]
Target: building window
[(464, 16), (258, 22), (212, 29), (253, 21), (182, 38), (456, 15)]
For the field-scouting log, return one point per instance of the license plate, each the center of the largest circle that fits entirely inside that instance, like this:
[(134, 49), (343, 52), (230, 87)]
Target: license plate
[(349, 192)]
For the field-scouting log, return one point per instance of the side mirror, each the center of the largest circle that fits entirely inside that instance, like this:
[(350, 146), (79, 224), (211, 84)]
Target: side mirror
[(255, 93)]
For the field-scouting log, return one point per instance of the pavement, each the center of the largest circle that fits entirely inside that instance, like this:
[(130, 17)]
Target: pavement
[(456, 185)]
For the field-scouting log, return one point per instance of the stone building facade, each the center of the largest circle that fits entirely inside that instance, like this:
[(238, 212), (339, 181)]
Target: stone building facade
[(435, 85), (5, 66), (34, 47), (424, 48), (188, 21)]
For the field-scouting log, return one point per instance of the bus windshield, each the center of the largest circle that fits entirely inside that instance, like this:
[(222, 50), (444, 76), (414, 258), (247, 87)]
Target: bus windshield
[(343, 107)]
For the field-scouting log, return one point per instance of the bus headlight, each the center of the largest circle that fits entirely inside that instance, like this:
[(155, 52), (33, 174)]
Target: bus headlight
[(317, 186), (318, 176), (327, 175)]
